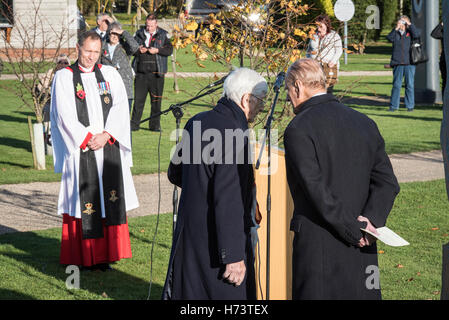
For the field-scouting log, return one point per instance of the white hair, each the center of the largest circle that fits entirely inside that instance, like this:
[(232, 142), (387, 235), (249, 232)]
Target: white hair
[(242, 81), (100, 16)]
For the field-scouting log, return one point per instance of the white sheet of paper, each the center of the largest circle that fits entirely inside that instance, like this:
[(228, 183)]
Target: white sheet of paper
[(389, 237)]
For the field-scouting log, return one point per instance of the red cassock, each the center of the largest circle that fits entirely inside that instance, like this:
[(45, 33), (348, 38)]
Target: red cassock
[(75, 250)]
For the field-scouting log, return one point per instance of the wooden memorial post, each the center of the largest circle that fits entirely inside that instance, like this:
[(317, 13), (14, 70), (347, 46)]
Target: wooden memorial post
[(281, 238)]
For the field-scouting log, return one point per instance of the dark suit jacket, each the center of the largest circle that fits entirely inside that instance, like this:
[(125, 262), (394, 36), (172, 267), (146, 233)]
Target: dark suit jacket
[(337, 169), (214, 221)]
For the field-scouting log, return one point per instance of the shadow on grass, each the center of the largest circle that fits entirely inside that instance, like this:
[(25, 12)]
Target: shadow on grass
[(377, 101), (398, 115), (148, 242), (42, 254), (404, 147), (15, 143), (12, 164), (7, 118), (13, 295), (379, 49)]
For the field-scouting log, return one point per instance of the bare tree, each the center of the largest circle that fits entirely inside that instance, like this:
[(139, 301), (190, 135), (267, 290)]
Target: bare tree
[(31, 50)]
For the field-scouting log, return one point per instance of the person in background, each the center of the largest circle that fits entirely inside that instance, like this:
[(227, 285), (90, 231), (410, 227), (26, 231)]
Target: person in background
[(402, 37), (341, 180), (103, 22), (150, 65), (326, 47), (120, 45), (44, 88), (437, 33)]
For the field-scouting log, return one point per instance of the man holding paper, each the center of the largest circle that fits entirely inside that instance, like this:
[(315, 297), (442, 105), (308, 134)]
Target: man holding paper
[(341, 181)]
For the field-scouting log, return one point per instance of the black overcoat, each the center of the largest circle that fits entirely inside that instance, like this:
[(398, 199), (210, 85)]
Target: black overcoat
[(214, 218), (337, 169)]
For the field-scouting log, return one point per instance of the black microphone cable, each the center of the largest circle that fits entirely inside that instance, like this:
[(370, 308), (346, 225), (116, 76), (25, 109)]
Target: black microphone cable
[(158, 211)]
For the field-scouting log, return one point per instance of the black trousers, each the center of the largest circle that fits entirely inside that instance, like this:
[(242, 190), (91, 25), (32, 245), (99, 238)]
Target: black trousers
[(145, 83)]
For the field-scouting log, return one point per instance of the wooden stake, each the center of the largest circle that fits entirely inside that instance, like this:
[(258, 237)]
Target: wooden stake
[(33, 151)]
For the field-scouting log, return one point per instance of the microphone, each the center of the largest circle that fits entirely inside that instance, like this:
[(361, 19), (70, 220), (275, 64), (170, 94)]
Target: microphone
[(279, 81), (218, 82)]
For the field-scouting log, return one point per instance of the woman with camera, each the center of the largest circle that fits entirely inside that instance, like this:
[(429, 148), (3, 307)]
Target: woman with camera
[(402, 37)]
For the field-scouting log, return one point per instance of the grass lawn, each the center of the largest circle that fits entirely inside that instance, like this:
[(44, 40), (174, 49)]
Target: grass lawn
[(16, 163), (30, 269), (420, 215), (29, 261), (403, 132)]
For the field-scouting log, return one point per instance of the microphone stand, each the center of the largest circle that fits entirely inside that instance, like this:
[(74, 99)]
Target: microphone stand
[(267, 138), (176, 109)]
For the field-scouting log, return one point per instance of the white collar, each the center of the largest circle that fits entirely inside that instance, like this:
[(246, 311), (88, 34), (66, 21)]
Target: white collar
[(319, 94), (150, 33), (86, 70)]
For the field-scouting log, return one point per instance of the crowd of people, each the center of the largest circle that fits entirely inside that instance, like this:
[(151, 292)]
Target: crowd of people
[(340, 177)]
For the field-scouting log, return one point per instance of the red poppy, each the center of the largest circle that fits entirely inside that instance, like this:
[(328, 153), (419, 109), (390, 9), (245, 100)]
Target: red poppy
[(81, 94)]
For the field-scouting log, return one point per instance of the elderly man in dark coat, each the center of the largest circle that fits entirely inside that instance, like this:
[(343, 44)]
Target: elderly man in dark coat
[(341, 180), (212, 255)]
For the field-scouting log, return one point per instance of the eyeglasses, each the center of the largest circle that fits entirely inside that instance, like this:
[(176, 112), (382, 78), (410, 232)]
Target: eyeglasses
[(259, 99)]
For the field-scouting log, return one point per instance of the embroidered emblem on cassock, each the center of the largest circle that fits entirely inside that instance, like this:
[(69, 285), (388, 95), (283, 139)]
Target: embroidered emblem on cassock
[(106, 100), (113, 197), (89, 209)]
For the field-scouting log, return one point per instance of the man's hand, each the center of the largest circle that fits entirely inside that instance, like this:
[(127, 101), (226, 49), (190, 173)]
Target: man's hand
[(331, 64), (153, 50), (235, 272), (117, 30), (142, 49), (98, 141), (109, 19), (367, 240)]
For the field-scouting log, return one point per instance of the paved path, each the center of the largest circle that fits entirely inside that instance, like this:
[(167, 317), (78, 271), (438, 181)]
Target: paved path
[(32, 206)]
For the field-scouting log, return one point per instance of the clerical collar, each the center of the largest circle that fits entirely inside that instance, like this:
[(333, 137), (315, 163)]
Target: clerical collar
[(86, 70)]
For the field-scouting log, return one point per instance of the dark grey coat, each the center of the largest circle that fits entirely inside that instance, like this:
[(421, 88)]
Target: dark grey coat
[(337, 169), (162, 43), (214, 221), (121, 60), (402, 45)]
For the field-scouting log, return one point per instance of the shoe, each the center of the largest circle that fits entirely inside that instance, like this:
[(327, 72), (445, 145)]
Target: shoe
[(135, 129), (155, 129), (409, 110), (104, 267), (392, 110)]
